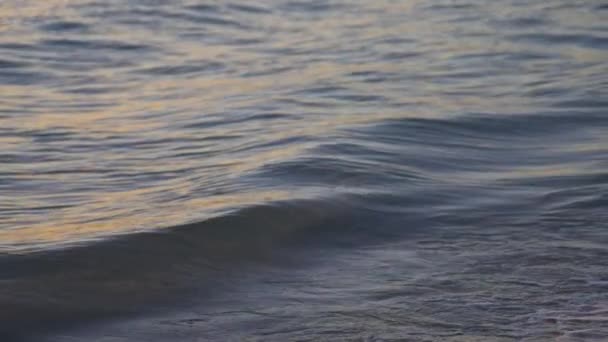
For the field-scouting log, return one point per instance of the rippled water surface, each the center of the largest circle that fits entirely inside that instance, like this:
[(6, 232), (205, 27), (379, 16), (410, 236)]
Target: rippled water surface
[(281, 170)]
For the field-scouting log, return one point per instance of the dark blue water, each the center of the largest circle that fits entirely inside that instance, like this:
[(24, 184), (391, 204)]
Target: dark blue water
[(282, 170)]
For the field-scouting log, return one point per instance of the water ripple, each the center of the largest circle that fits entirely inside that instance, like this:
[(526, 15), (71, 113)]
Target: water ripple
[(446, 161)]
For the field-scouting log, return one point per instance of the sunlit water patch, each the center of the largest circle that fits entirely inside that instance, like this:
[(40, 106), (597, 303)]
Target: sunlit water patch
[(303, 170)]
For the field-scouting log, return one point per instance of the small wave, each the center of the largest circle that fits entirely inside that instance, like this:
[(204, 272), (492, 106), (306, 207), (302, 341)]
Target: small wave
[(586, 41), (65, 26), (93, 45), (129, 273)]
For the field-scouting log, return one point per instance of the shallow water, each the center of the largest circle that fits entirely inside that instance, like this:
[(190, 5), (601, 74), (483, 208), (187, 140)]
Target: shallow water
[(303, 170)]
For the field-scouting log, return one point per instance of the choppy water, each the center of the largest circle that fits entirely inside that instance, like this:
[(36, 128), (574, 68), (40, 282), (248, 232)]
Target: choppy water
[(303, 170)]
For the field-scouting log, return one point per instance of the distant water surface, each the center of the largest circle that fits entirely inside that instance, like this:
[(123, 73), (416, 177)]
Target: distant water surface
[(282, 170)]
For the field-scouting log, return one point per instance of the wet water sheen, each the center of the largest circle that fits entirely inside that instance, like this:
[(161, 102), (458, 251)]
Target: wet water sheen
[(282, 170)]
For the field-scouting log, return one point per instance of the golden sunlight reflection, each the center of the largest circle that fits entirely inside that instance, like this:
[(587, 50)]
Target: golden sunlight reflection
[(115, 122), (80, 223)]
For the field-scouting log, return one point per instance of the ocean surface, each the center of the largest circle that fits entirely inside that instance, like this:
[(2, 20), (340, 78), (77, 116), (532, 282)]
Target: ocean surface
[(323, 170)]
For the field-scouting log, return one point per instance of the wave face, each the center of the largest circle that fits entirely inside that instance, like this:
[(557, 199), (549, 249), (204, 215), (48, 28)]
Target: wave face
[(303, 170)]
